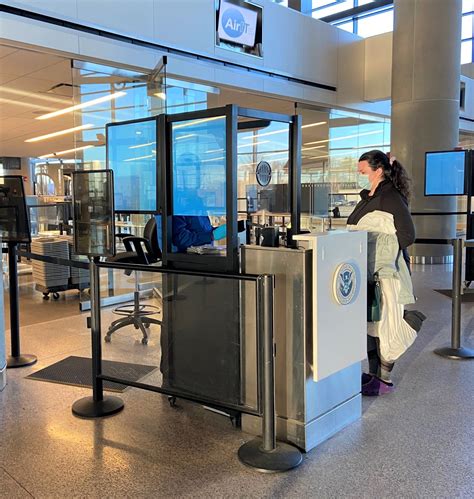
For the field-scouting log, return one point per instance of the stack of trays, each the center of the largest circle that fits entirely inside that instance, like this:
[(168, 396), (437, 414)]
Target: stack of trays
[(50, 275)]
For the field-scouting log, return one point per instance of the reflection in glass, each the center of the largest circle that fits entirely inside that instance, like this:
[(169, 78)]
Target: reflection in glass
[(94, 231), (14, 226), (199, 183), (132, 156)]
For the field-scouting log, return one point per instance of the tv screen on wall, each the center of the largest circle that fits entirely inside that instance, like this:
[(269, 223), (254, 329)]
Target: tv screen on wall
[(237, 23), (445, 173)]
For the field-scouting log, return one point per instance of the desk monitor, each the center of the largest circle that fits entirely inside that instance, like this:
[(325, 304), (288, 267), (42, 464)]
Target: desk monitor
[(446, 173), (14, 224)]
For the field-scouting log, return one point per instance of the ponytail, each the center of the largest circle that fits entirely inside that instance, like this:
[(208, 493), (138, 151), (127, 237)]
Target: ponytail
[(399, 177), (393, 170)]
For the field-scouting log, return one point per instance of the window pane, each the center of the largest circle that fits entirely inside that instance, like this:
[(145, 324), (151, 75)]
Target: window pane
[(467, 27), (466, 52), (332, 8), (467, 5), (363, 2), (375, 24), (348, 26)]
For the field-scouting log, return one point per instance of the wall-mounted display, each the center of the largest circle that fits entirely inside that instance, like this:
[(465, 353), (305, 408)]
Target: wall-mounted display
[(446, 173), (14, 224), (239, 26), (93, 205)]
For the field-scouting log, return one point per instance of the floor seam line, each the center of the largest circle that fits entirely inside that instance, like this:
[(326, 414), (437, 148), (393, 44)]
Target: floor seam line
[(17, 482)]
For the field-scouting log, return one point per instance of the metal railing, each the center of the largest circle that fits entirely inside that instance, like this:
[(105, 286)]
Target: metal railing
[(456, 351), (264, 454)]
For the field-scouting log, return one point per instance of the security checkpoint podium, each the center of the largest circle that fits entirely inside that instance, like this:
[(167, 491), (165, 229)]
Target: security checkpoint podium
[(320, 333)]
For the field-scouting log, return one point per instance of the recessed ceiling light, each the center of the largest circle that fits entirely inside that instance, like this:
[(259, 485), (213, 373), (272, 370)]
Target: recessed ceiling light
[(61, 132), (90, 103)]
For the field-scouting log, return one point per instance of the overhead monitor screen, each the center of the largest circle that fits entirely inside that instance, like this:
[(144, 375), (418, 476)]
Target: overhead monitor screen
[(237, 24), (445, 173), (131, 154)]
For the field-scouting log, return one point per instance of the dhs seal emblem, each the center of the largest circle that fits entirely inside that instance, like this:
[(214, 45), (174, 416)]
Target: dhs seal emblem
[(263, 173), (345, 283)]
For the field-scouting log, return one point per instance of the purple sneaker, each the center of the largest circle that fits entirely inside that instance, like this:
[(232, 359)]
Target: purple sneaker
[(366, 378), (377, 387)]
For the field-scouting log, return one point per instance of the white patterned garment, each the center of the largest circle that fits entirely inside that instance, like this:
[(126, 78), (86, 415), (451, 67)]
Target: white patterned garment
[(394, 333)]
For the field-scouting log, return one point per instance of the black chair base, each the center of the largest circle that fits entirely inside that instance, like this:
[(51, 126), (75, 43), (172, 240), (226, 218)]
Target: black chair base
[(137, 316)]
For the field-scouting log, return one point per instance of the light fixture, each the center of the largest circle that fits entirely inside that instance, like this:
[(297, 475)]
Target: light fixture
[(140, 157), (181, 137), (314, 147), (142, 145), (314, 124), (161, 95), (213, 159), (342, 138), (197, 122), (53, 154), (61, 132), (90, 103), (35, 95)]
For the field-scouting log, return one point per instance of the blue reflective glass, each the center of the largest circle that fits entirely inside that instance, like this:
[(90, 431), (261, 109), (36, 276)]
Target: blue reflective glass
[(132, 156), (199, 167)]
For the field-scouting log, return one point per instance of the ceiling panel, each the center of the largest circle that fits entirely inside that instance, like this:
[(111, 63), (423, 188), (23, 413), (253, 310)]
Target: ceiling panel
[(59, 72), (23, 62), (6, 50)]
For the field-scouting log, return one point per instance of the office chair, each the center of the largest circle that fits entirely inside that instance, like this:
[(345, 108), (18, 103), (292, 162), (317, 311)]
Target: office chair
[(136, 314)]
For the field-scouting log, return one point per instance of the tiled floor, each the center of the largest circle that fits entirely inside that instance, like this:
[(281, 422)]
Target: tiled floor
[(416, 442)]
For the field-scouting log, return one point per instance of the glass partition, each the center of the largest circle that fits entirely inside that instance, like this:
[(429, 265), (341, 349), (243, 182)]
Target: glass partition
[(190, 353), (131, 154), (94, 232), (198, 165), (263, 152)]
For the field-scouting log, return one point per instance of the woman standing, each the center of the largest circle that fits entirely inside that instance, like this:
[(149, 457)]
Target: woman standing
[(383, 212)]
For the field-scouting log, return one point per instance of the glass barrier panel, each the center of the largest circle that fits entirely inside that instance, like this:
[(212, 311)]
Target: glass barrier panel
[(199, 186), (195, 336)]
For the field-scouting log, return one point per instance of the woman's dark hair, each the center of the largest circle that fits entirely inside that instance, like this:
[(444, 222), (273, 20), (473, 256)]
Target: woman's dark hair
[(394, 171)]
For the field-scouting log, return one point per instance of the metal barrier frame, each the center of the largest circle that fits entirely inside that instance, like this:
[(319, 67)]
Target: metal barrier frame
[(264, 454)]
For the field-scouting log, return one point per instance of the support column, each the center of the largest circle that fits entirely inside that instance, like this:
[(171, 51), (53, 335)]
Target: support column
[(425, 106)]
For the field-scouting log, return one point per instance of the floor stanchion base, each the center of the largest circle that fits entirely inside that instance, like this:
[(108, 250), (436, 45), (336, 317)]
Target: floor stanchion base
[(21, 361), (87, 407), (283, 458), (455, 353)]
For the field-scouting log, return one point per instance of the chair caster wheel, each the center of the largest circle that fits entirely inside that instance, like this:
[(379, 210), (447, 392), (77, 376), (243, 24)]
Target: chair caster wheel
[(146, 324), (145, 341), (107, 339), (55, 296), (45, 296), (172, 401)]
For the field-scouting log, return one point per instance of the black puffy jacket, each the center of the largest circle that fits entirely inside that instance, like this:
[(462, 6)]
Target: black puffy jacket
[(387, 198)]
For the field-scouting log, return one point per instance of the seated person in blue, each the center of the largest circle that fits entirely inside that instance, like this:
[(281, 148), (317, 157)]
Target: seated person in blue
[(194, 231), (191, 225)]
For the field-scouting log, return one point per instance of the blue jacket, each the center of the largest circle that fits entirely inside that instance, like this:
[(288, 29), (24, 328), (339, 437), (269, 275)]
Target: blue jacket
[(191, 231)]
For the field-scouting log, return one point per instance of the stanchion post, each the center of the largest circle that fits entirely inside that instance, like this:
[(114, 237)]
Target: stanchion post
[(456, 351), (266, 454), (98, 405), (16, 359)]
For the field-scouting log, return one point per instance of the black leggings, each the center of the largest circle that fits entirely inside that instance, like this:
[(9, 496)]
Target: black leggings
[(373, 354)]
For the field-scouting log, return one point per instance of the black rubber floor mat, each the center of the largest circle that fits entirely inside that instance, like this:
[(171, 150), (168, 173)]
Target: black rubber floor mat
[(77, 371), (466, 298)]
